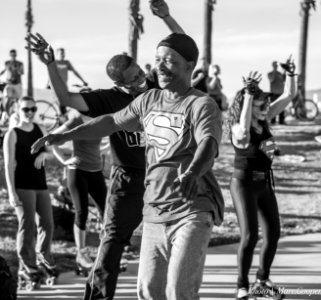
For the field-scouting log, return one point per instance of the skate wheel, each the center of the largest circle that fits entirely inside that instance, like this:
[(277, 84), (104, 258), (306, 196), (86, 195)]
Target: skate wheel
[(29, 286), (50, 281), (77, 272), (85, 273), (20, 285)]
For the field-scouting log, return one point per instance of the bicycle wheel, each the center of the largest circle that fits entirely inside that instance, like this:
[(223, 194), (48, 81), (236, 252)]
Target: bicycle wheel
[(47, 114), (309, 112)]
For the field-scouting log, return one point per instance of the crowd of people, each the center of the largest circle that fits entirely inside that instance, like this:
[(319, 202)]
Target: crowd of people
[(165, 129)]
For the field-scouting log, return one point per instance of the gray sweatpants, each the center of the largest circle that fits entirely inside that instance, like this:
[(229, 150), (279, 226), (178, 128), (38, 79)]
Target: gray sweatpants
[(34, 214)]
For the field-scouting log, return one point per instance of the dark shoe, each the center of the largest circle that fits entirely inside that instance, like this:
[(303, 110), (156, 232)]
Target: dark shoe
[(277, 152), (266, 289)]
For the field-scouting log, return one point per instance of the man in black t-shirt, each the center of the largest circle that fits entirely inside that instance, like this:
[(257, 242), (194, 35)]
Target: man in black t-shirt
[(125, 199)]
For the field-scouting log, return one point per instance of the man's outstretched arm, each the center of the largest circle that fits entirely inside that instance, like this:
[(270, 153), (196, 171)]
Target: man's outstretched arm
[(44, 51), (93, 129), (160, 9)]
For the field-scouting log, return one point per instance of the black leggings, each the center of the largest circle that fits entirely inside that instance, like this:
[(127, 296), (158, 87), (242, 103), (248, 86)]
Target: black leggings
[(253, 198), (80, 183)]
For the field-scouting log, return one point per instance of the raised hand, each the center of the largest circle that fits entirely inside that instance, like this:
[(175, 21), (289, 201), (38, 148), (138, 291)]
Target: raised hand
[(159, 8), (50, 139), (289, 66), (40, 47), (251, 82)]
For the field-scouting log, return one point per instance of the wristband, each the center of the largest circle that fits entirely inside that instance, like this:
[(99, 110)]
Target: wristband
[(165, 16)]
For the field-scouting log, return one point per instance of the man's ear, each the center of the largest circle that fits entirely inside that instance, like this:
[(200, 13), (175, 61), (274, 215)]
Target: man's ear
[(191, 65)]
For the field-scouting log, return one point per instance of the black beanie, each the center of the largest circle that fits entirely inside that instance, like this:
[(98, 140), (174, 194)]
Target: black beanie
[(182, 44)]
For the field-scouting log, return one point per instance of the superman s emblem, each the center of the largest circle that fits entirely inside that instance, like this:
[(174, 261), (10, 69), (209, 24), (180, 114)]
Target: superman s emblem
[(163, 130)]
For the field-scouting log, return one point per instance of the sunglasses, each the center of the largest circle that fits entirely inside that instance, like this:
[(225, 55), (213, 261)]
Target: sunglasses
[(31, 109)]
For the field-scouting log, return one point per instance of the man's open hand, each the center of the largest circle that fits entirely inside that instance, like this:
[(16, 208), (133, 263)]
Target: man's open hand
[(40, 47), (50, 139)]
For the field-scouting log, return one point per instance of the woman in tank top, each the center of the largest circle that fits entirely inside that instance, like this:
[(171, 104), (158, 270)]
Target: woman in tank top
[(27, 190), (84, 177), (252, 186)]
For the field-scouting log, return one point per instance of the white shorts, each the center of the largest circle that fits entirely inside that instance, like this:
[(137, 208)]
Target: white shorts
[(13, 90)]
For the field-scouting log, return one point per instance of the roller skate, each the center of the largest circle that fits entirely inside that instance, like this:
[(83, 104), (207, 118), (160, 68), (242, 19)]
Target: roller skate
[(29, 280), (84, 262), (242, 294), (266, 289), (49, 271)]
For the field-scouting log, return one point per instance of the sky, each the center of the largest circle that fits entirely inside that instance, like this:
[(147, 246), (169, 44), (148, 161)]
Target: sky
[(247, 35)]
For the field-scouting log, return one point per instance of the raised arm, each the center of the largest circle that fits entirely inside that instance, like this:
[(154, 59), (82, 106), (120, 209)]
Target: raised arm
[(160, 9), (44, 51), (95, 128), (241, 130), (290, 90)]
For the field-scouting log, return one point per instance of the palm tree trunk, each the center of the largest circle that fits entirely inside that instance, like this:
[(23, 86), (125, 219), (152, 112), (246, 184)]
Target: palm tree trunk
[(208, 25), (29, 23), (135, 27), (306, 6)]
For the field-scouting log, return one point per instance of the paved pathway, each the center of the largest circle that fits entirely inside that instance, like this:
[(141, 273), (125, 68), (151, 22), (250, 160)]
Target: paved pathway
[(297, 268)]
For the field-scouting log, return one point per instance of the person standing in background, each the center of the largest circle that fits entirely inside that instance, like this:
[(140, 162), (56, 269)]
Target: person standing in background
[(276, 79), (64, 66), (84, 178), (215, 87), (200, 76), (28, 192), (13, 88)]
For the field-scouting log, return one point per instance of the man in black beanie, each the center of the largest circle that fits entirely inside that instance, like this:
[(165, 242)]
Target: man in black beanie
[(182, 200)]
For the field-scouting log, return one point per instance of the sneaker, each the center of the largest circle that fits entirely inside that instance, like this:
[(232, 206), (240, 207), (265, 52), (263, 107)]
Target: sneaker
[(242, 294), (83, 258), (266, 288), (277, 152)]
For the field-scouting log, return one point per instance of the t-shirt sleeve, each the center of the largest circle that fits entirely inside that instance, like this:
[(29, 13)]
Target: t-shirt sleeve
[(98, 102), (129, 118), (207, 120), (69, 66)]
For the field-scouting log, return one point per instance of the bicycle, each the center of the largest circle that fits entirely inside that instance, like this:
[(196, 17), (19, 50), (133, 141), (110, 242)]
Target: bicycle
[(308, 112), (49, 114)]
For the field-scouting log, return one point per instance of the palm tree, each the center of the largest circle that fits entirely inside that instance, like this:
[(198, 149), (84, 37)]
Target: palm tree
[(135, 27), (207, 42), (306, 6), (29, 23)]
